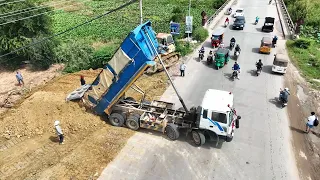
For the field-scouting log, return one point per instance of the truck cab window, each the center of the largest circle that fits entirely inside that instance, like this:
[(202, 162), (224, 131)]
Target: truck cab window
[(219, 117), (205, 113)]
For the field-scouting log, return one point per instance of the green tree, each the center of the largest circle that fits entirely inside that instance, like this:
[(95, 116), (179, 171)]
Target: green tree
[(20, 33)]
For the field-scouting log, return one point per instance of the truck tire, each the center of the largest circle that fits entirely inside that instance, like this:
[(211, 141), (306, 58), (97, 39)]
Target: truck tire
[(133, 122), (172, 131), (116, 119), (198, 138)]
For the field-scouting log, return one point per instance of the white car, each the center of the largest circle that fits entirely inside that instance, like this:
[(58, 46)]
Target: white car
[(239, 12)]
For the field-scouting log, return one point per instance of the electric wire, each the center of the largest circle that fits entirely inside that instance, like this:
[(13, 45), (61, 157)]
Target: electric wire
[(30, 9), (72, 28), (11, 2), (28, 17)]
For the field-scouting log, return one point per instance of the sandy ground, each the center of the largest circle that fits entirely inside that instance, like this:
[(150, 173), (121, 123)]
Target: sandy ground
[(28, 143)]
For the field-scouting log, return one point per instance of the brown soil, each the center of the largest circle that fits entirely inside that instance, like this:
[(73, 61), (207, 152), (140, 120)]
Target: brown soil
[(28, 143), (306, 150)]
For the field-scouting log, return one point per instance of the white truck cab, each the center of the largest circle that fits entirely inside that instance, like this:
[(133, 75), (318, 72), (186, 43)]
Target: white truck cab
[(218, 118)]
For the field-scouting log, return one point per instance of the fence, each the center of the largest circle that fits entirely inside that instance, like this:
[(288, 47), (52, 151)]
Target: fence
[(288, 21)]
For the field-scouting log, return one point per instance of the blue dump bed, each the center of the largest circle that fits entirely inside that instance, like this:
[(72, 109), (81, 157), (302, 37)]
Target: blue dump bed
[(130, 61)]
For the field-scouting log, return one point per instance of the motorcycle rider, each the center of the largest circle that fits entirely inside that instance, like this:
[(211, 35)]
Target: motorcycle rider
[(284, 95), (236, 67), (230, 10), (259, 65), (201, 50), (257, 19), (226, 21), (274, 40), (237, 48)]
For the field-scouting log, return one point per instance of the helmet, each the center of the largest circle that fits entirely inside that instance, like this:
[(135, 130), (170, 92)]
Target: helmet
[(259, 60), (56, 122), (286, 89), (235, 62)]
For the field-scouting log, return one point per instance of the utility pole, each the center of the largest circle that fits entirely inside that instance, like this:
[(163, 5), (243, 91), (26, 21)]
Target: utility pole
[(189, 16), (140, 4)]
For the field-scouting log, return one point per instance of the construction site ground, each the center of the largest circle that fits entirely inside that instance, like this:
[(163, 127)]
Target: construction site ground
[(29, 147)]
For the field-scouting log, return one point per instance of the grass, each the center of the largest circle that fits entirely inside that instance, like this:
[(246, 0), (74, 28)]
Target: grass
[(116, 26), (307, 60)]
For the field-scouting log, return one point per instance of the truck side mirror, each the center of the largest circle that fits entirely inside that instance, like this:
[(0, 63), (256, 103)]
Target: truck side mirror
[(237, 121)]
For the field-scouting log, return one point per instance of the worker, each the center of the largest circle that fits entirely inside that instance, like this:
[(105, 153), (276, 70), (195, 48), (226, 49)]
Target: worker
[(19, 78), (82, 81), (59, 131)]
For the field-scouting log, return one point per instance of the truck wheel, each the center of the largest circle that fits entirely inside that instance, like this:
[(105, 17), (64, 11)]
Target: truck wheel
[(133, 122), (172, 131), (198, 138), (116, 119)]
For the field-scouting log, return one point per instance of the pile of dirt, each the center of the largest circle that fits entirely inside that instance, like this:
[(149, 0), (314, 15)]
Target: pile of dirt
[(28, 142)]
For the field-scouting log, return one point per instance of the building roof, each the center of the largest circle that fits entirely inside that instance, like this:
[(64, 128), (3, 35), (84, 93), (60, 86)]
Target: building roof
[(217, 100)]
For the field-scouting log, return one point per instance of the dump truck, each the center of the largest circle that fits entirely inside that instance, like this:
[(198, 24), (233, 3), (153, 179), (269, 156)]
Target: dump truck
[(214, 119)]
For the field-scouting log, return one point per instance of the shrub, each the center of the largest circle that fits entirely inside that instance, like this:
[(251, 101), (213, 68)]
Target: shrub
[(217, 3), (303, 43), (183, 48), (77, 55), (200, 34)]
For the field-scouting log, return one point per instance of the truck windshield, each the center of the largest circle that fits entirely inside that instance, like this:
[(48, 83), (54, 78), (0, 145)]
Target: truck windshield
[(219, 117)]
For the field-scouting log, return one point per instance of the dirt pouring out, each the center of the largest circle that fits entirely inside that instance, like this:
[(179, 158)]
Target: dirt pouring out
[(28, 143)]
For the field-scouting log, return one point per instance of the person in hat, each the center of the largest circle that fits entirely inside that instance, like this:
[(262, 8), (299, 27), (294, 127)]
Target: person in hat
[(59, 131)]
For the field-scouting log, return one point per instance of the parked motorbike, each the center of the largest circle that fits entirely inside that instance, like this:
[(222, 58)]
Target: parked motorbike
[(236, 54), (201, 55), (232, 45)]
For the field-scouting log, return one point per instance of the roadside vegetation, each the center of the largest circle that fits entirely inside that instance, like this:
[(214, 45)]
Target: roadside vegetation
[(305, 52), (92, 45)]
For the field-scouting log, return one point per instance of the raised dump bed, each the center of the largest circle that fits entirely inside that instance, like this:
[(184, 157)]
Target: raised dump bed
[(130, 61)]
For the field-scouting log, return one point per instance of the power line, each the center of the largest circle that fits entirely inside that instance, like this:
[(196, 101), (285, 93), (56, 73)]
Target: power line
[(33, 15), (74, 27), (13, 13), (11, 2), (35, 9)]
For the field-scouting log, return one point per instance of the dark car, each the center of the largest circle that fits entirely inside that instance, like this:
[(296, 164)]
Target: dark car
[(268, 25), (239, 23)]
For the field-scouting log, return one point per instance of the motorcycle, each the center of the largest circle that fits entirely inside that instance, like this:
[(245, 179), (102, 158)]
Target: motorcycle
[(256, 22), (201, 55), (236, 54), (283, 102), (274, 42), (259, 70), (209, 59), (234, 74), (226, 23), (232, 45)]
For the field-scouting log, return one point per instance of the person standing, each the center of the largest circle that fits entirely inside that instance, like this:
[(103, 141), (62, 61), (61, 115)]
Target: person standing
[(82, 81), (59, 131), (19, 78), (182, 69), (310, 122)]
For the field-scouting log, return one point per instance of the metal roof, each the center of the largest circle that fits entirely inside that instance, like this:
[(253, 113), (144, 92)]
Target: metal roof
[(281, 58), (266, 40), (218, 31), (222, 50)]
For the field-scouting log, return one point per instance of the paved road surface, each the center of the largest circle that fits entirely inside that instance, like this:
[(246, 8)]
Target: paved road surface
[(261, 149)]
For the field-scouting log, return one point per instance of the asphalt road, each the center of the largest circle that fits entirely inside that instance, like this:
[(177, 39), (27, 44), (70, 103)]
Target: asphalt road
[(261, 148)]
